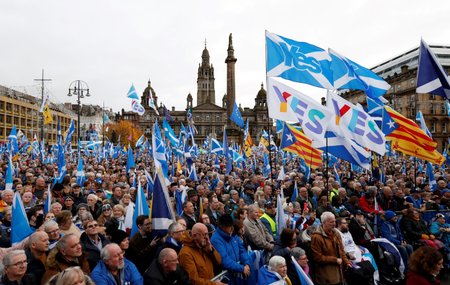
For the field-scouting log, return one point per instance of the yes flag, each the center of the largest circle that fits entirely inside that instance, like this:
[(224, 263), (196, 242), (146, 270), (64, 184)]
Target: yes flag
[(132, 94), (20, 227), (348, 74), (297, 61), (162, 213), (236, 116), (288, 104), (431, 76), (137, 107)]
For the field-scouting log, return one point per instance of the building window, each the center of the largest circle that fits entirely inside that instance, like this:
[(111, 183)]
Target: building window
[(433, 127), (433, 109), (412, 82), (444, 127), (432, 97), (443, 111), (412, 113)]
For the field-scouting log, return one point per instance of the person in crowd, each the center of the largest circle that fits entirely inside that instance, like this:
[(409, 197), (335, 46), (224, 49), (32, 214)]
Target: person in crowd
[(284, 245), (106, 215), (81, 208), (189, 214), (143, 247), (441, 229), (36, 255), (69, 205), (390, 230), (114, 268), (71, 276), (174, 235), (198, 256), (324, 206), (66, 225), (268, 218), (416, 231), (119, 215), (424, 266), (166, 270), (361, 230), (15, 268), (274, 273), (56, 208), (92, 242), (121, 238), (231, 249), (300, 256), (52, 229), (258, 236), (94, 205), (328, 252), (212, 211), (68, 252)]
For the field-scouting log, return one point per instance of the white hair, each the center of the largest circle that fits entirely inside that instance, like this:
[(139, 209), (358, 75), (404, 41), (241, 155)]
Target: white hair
[(276, 261), (93, 197), (326, 216)]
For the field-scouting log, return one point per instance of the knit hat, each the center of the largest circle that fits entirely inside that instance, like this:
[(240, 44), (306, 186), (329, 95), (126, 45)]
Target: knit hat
[(389, 215), (82, 205), (118, 236)]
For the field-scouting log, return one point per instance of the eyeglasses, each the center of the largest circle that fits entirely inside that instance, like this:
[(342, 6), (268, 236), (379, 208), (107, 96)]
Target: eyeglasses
[(19, 263), (92, 226)]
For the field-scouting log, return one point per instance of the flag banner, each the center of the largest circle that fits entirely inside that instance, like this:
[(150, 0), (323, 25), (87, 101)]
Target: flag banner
[(304, 278), (161, 213), (431, 178), (9, 174), (136, 107), (280, 215), (44, 103), (80, 176), (216, 147), (140, 208), (20, 227), (130, 160), (47, 115), (132, 94), (159, 150), (297, 61), (167, 115), (169, 133), (288, 104), (12, 138), (345, 149), (248, 142), (423, 125), (236, 116), (151, 102), (69, 133), (431, 76), (353, 122), (347, 74), (48, 201), (140, 142)]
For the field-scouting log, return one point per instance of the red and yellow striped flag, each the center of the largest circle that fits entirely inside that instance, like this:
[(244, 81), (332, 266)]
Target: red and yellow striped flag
[(303, 148)]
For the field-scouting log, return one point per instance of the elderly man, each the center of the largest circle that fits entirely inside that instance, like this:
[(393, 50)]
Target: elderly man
[(67, 253), (37, 255), (39, 188), (268, 219), (174, 233), (7, 198), (189, 214), (166, 270), (15, 267), (258, 235), (52, 229), (328, 252), (92, 242), (198, 257), (114, 269)]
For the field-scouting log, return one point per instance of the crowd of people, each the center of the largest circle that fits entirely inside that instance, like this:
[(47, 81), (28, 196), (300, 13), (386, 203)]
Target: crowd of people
[(229, 230)]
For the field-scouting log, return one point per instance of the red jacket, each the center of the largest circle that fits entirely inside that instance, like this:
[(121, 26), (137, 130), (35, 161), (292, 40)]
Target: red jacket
[(413, 278), (368, 208)]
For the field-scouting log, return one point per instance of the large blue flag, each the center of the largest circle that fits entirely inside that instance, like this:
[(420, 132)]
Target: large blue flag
[(162, 213), (20, 227), (140, 208), (62, 169), (130, 160), (9, 174), (170, 134), (13, 140), (430, 175), (140, 142), (236, 116), (216, 147), (81, 178), (431, 76), (348, 74), (298, 61), (159, 150)]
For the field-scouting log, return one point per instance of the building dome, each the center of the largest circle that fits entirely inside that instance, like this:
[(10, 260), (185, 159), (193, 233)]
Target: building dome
[(262, 94)]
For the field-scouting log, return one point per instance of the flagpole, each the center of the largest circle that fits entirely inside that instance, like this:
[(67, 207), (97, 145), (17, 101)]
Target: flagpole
[(268, 118), (324, 103)]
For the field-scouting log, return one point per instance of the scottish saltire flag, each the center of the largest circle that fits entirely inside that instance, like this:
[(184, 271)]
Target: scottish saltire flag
[(188, 156), (140, 208), (430, 175), (48, 201), (216, 162), (162, 213), (70, 132), (280, 216), (336, 175), (347, 74), (9, 174), (137, 107), (266, 169), (431, 76), (216, 147), (159, 150), (295, 192), (236, 116), (288, 104), (62, 169), (167, 115), (192, 173), (353, 122), (20, 227), (130, 160), (132, 94), (81, 178), (423, 125), (170, 134), (150, 182), (151, 102), (345, 149), (304, 278), (13, 140), (297, 61), (140, 141)]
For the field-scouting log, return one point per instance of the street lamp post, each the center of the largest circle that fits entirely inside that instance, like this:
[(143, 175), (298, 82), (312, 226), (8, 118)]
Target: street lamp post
[(80, 89)]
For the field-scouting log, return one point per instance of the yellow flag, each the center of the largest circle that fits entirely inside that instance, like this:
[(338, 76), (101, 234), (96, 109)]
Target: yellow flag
[(47, 116), (179, 169)]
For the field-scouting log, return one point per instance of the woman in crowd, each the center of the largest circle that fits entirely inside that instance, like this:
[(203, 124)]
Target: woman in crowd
[(416, 231), (66, 226), (106, 215), (274, 273), (119, 214), (425, 264)]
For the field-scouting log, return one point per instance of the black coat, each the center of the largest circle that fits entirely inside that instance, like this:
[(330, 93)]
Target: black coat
[(91, 251), (35, 267), (154, 276), (141, 253)]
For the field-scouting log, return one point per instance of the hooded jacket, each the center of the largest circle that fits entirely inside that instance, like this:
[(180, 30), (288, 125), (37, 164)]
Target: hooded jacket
[(101, 275), (197, 262)]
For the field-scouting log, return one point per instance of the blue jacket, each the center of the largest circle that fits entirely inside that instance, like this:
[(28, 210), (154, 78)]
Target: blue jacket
[(392, 232), (443, 236), (266, 277), (101, 275), (231, 250)]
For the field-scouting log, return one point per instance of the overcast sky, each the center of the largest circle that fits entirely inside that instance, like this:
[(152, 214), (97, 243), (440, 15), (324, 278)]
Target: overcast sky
[(111, 44)]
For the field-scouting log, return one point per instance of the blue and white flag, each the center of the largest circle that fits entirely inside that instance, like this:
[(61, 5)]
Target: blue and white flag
[(159, 150), (130, 160), (151, 102), (140, 141), (295, 192), (136, 107), (280, 216), (132, 94), (347, 74), (162, 213), (237, 117), (216, 147), (20, 227), (266, 169), (304, 278), (431, 178), (170, 134), (140, 208), (447, 107), (9, 174), (70, 132), (62, 169), (13, 140), (423, 125), (193, 173), (150, 182), (48, 201), (336, 175), (297, 61), (80, 176), (431, 76), (225, 143)]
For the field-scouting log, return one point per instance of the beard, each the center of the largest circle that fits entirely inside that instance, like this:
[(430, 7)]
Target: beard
[(345, 230)]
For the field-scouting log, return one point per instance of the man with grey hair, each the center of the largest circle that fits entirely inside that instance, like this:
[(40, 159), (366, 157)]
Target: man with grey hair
[(166, 270), (7, 198), (258, 235), (174, 233), (15, 267), (52, 229), (328, 252), (113, 268), (37, 253), (300, 256)]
